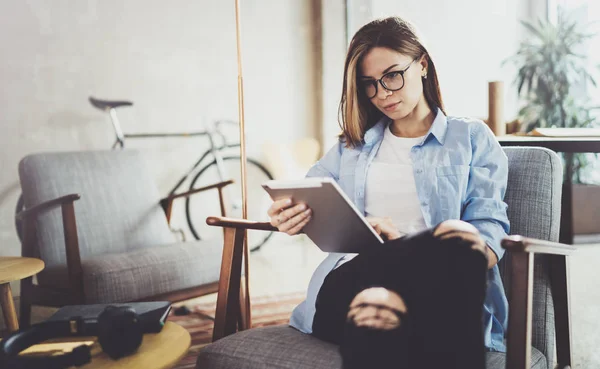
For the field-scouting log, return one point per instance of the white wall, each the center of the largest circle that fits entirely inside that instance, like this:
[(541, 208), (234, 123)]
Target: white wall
[(176, 61), (468, 40)]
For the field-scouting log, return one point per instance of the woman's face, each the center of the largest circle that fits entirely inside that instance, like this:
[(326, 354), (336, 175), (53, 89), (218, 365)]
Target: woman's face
[(388, 64)]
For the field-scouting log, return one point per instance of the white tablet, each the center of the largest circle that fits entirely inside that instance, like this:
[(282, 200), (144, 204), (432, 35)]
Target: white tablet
[(336, 224)]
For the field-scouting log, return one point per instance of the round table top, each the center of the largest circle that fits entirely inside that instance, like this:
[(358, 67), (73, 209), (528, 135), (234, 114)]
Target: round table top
[(158, 350), (14, 268)]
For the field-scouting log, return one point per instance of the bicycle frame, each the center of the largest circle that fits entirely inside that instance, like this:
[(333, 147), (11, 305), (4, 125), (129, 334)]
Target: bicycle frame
[(213, 150)]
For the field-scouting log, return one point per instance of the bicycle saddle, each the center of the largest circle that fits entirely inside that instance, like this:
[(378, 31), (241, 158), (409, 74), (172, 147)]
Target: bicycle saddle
[(107, 105)]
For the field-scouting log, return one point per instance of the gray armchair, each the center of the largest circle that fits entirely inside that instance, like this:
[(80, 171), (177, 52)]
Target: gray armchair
[(533, 271), (97, 221)]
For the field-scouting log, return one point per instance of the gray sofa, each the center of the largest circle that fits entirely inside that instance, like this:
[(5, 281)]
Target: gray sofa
[(95, 219)]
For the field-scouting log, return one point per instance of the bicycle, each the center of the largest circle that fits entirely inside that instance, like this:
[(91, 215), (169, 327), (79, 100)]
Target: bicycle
[(219, 167)]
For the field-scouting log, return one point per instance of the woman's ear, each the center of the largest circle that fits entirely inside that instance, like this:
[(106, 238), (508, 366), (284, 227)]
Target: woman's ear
[(424, 65)]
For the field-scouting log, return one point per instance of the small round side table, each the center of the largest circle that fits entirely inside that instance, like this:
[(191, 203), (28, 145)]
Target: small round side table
[(158, 350), (14, 269)]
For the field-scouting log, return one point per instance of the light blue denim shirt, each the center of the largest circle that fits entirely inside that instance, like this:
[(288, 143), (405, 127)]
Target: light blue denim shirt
[(460, 173)]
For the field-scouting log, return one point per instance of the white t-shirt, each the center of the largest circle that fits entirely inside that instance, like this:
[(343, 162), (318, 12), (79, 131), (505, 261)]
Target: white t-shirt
[(390, 189)]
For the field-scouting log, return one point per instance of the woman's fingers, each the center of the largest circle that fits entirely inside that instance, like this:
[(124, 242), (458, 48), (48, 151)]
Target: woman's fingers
[(298, 227), (284, 216), (280, 214), (475, 239), (291, 212), (278, 206), (289, 218), (384, 227), (296, 223), (375, 223)]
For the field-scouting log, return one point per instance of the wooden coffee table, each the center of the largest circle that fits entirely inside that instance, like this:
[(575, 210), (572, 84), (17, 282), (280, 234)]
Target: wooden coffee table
[(14, 269), (158, 350)]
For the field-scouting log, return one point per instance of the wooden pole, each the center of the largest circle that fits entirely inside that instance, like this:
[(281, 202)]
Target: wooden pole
[(246, 301)]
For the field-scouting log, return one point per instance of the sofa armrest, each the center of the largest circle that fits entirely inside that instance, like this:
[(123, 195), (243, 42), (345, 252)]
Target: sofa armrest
[(240, 224), (70, 233), (523, 251), (47, 205), (167, 202), (533, 245)]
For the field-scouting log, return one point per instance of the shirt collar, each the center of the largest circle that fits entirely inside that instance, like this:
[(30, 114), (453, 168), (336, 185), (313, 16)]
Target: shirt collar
[(438, 129), (375, 133)]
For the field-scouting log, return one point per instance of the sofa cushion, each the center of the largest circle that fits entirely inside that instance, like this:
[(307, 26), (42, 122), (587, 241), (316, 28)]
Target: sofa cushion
[(137, 274), (283, 347)]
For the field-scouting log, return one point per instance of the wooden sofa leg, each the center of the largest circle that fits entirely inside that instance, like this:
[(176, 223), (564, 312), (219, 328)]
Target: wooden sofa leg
[(25, 303), (243, 312), (559, 272), (228, 297)]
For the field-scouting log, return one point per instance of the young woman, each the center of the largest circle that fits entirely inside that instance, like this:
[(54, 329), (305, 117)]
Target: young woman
[(433, 186)]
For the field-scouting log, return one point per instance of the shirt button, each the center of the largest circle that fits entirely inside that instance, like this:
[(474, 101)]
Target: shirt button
[(419, 171), (424, 204)]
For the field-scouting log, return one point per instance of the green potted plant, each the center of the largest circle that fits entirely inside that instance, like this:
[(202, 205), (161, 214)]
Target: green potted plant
[(551, 79), (549, 66)]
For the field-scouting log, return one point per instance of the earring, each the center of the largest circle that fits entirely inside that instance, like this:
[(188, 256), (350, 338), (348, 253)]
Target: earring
[(425, 76)]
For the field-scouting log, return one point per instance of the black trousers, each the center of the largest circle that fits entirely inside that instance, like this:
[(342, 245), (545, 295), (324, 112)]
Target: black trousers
[(442, 283)]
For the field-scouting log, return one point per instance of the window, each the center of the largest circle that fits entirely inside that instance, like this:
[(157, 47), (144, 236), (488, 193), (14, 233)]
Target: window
[(586, 12)]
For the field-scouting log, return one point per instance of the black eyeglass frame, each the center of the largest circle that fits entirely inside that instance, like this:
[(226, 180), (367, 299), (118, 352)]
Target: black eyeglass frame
[(377, 82)]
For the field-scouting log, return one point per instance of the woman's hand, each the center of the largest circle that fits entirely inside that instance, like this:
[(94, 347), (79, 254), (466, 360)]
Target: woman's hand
[(287, 217), (384, 227), (458, 228)]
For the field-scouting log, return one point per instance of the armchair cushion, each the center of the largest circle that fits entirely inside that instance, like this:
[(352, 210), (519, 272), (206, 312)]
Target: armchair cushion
[(281, 347), (284, 347), (134, 275)]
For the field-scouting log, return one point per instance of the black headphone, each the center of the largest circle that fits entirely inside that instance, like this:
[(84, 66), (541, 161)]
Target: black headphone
[(118, 328)]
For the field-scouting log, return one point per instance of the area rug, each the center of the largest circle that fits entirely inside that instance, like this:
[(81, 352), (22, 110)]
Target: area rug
[(266, 311)]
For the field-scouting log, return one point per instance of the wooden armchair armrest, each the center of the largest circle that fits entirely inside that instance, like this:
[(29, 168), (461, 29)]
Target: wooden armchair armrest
[(536, 246), (70, 232), (230, 303), (523, 250), (240, 224), (47, 205), (167, 202)]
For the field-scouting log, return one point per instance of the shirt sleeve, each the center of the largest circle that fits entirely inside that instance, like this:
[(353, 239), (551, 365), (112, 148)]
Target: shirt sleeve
[(329, 164), (484, 206)]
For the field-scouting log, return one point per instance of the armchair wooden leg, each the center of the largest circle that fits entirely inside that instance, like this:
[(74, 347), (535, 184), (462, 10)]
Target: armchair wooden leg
[(8, 307), (243, 323), (27, 250), (518, 354), (25, 303), (228, 307), (560, 293)]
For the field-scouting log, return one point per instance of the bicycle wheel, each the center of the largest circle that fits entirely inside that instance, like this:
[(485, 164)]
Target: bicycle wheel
[(204, 204)]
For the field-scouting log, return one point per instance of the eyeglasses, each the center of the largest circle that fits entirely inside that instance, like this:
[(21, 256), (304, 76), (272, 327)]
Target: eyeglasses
[(391, 81)]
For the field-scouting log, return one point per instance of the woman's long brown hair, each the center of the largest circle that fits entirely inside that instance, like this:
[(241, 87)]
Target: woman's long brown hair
[(356, 112)]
